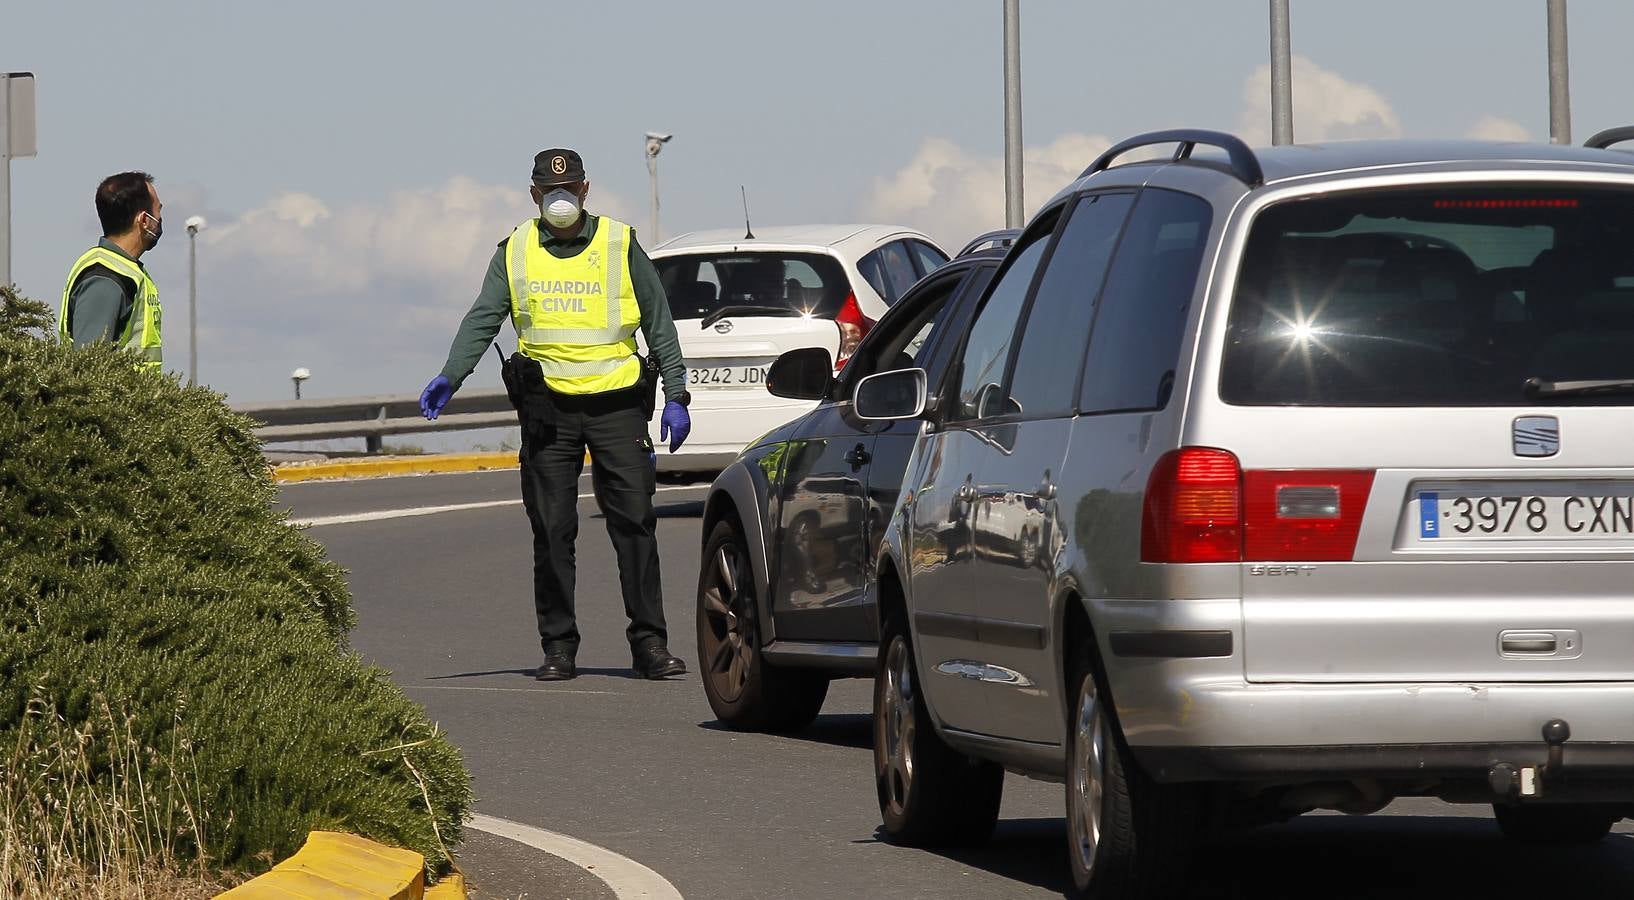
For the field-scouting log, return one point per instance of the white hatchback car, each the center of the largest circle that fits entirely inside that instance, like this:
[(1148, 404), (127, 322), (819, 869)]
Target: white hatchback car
[(741, 301)]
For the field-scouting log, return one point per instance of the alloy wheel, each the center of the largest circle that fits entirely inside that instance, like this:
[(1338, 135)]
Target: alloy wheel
[(730, 638), (897, 725), (1087, 777)]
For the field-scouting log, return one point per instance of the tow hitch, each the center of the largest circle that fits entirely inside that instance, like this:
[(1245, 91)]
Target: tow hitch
[(1509, 780)]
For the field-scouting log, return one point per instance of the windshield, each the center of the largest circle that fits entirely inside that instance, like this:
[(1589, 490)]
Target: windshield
[(766, 284), (1452, 296)]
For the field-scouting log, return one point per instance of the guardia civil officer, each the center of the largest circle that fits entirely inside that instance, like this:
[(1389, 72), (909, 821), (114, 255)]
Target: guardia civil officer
[(576, 287), (109, 296)]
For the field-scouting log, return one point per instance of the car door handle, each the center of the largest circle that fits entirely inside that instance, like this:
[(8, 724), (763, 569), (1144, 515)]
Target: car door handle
[(859, 456), (1529, 643)]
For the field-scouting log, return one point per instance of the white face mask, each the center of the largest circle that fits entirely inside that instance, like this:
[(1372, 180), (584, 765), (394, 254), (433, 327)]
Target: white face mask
[(560, 208)]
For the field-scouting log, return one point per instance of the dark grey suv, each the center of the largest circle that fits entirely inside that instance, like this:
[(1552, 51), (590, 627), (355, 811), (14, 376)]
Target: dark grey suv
[(792, 527)]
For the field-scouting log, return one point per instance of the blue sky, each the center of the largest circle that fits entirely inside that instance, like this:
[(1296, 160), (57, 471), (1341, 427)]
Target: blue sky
[(357, 161)]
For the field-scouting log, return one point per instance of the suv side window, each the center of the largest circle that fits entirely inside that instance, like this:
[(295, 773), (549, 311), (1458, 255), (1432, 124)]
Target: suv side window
[(1139, 324), (1043, 382), (901, 346), (986, 354)]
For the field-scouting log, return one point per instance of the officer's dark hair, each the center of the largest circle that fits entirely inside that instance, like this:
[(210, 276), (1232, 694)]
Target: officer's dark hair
[(119, 198)]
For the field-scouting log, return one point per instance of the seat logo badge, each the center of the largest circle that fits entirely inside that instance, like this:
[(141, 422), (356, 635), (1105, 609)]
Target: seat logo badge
[(1537, 436), (723, 326)]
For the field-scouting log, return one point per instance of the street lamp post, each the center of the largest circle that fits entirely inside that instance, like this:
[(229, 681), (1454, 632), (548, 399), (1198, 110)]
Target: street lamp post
[(1282, 78), (1014, 209), (655, 143), (298, 376), (1560, 98), (195, 225)]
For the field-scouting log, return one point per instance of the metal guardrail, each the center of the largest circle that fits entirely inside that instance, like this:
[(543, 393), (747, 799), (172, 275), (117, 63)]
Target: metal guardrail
[(372, 418)]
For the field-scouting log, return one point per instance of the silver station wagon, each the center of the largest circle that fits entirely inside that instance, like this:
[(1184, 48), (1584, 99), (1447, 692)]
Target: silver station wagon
[(1265, 481)]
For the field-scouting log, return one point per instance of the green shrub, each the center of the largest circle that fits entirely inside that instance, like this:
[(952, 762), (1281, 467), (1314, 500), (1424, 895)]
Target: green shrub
[(143, 569)]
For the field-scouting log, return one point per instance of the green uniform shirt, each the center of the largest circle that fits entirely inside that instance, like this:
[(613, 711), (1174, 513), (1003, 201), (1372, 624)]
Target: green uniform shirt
[(493, 307), (100, 304)]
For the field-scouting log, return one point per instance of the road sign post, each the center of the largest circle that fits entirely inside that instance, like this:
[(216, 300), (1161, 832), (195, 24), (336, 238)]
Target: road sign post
[(17, 141)]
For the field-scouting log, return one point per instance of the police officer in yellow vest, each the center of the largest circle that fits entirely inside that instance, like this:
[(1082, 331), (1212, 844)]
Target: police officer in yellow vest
[(576, 288), (109, 296)]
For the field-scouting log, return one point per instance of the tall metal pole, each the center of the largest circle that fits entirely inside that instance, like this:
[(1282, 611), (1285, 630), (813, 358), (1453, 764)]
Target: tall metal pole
[(1014, 209), (192, 305), (5, 179), (652, 172), (1560, 100), (1282, 75)]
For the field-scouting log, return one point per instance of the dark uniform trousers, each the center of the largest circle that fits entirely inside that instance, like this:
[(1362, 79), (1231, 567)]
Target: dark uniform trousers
[(613, 427)]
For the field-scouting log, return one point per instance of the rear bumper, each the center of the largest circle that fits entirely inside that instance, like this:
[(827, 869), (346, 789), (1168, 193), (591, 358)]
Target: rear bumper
[(723, 423), (1197, 717), (1601, 764)]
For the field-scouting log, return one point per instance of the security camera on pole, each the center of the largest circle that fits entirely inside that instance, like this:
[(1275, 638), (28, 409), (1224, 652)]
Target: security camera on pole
[(655, 143), (298, 376)]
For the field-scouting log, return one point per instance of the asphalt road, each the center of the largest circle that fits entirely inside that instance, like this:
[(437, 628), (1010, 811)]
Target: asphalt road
[(641, 768)]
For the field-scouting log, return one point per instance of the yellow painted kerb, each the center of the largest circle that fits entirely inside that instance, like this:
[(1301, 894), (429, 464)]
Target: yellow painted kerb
[(335, 866), (395, 465)]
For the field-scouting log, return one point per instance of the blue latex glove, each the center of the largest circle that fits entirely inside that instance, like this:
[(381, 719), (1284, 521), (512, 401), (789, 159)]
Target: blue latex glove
[(435, 396), (675, 425)]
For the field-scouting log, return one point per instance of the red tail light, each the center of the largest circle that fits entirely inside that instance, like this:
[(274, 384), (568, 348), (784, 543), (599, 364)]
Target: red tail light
[(1193, 508), (1201, 507), (854, 326), (1304, 516)]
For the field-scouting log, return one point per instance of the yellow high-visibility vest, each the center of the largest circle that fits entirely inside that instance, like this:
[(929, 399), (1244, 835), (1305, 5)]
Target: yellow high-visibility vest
[(142, 332), (576, 316)]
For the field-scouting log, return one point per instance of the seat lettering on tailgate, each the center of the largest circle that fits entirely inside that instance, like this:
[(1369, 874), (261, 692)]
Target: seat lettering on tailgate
[(1282, 570)]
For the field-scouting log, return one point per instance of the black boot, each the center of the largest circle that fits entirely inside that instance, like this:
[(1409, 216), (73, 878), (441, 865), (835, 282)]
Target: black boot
[(655, 661), (558, 666)]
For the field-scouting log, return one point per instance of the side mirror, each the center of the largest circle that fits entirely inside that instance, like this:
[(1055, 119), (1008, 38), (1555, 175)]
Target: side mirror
[(992, 401), (890, 396), (803, 374)]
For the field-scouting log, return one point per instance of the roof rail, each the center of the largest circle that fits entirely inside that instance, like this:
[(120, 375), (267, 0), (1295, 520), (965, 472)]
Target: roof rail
[(1243, 162), (1605, 139), (999, 239)]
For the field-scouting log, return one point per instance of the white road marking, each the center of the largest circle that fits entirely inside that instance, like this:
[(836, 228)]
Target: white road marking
[(628, 879), (470, 687), (380, 515)]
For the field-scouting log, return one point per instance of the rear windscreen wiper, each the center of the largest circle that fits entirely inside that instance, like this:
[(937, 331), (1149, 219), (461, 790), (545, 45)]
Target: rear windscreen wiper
[(725, 311), (1537, 387)]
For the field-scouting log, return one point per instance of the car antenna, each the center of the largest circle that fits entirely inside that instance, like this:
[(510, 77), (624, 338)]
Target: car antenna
[(748, 233)]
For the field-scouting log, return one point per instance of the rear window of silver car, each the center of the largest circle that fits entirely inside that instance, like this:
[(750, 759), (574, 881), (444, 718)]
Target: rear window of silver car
[(778, 284), (1434, 297)]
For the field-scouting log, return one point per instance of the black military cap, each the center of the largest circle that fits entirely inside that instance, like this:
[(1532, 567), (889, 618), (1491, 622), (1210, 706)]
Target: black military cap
[(556, 167)]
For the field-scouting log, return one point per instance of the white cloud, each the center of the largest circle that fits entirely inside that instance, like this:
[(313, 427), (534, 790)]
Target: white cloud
[(366, 293), (1327, 107), (953, 194), (1498, 128)]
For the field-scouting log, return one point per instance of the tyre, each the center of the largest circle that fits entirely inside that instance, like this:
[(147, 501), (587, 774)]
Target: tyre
[(1128, 838), (744, 690), (929, 794), (1565, 824)]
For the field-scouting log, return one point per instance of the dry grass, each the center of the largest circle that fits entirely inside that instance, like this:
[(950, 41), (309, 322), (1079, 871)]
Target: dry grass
[(79, 817)]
